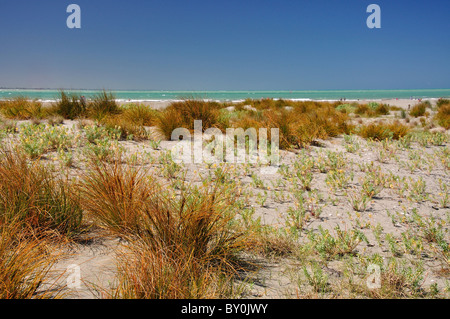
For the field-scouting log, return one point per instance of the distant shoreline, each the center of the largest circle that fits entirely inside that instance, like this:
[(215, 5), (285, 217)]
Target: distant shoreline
[(161, 104), (402, 103), (46, 95)]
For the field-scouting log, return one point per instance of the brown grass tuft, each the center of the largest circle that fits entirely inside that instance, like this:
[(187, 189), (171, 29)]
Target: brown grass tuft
[(21, 108), (381, 132), (24, 265), (183, 114), (443, 116), (129, 129), (101, 105), (31, 195), (114, 194), (179, 246), (419, 109)]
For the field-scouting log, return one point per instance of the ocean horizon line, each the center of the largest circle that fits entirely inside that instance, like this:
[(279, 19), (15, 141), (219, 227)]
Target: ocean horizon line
[(220, 90), (224, 95)]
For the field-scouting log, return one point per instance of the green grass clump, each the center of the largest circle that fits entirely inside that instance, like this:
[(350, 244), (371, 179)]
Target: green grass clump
[(344, 243), (95, 133), (403, 114), (346, 108), (37, 140), (70, 106), (7, 126), (103, 143)]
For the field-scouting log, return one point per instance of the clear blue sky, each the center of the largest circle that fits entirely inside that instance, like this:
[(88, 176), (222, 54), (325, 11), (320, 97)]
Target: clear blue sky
[(225, 45)]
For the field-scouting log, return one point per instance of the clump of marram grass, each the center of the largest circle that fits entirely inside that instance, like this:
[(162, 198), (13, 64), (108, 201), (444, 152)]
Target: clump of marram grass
[(295, 131), (132, 120), (185, 247), (126, 200), (372, 109), (382, 109), (198, 222), (70, 106), (73, 106), (443, 116), (183, 114), (31, 195), (299, 126), (101, 105), (139, 114), (441, 102), (144, 273), (167, 121), (395, 108), (21, 108), (25, 265), (114, 194), (178, 246), (420, 109), (380, 132)]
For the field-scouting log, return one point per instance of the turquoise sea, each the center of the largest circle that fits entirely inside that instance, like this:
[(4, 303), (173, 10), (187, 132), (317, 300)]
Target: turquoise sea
[(49, 95)]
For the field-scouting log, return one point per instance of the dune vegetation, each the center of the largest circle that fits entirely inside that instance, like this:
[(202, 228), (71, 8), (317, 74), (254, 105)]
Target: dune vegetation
[(357, 186)]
